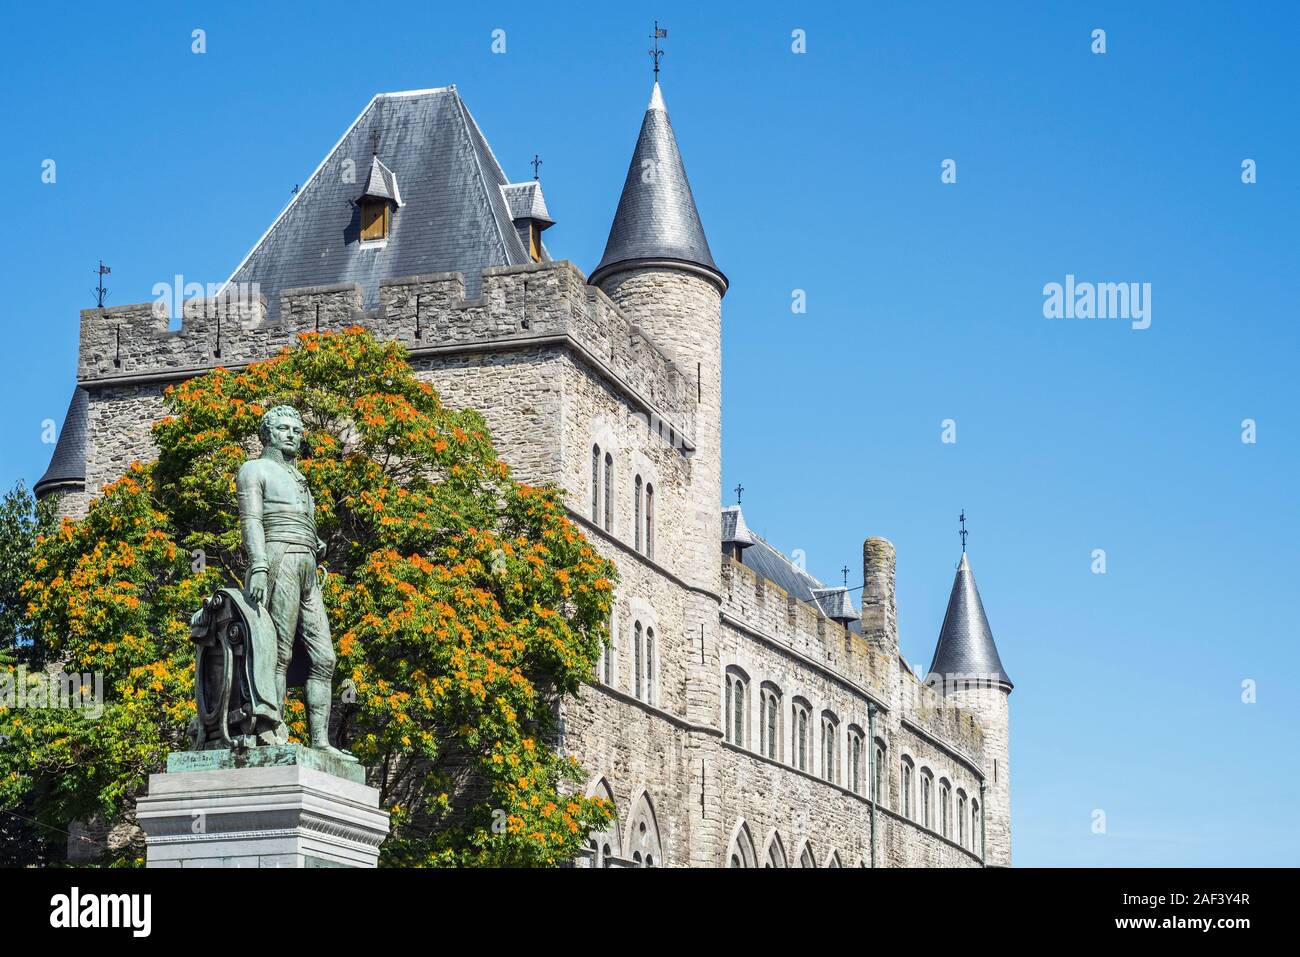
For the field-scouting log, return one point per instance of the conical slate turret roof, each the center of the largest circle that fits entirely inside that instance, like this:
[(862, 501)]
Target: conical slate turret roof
[(656, 218), (68, 464), (966, 654)]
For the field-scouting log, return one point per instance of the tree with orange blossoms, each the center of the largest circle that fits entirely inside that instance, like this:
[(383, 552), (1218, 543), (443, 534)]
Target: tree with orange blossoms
[(465, 606)]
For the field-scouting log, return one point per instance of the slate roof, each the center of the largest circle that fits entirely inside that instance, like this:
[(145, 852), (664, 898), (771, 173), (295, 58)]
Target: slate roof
[(68, 464), (835, 603), (381, 183), (656, 217), (734, 530), (966, 645), (454, 217), (525, 201), (769, 563)]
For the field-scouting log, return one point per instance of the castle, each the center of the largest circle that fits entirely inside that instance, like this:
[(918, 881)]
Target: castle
[(745, 714)]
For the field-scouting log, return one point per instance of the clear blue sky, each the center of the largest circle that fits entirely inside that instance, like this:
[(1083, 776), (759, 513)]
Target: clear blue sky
[(821, 172)]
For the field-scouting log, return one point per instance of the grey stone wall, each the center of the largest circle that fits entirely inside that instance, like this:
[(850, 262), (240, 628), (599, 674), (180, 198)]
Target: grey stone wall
[(120, 418), (555, 366)]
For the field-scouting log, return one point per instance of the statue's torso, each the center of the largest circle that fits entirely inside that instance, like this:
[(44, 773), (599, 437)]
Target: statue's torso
[(288, 511)]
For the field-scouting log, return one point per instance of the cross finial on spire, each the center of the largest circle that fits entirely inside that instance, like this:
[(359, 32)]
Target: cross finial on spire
[(535, 162), (740, 489), (845, 572), (963, 532), (661, 33)]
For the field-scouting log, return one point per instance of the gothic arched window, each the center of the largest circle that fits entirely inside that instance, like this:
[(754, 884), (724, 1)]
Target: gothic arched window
[(643, 835), (606, 845), (945, 808), (775, 853), (741, 851), (961, 817), (595, 483)]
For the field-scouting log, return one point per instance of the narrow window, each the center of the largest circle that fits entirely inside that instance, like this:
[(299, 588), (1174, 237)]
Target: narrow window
[(726, 708), (876, 773), (650, 691), (945, 809), (636, 521), (799, 734), (649, 521), (829, 730), (738, 703), (595, 483), (609, 654), (609, 492), (905, 781), (735, 714), (636, 644), (961, 818)]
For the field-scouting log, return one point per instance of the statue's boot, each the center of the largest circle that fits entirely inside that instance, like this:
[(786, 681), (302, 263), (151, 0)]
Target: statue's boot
[(319, 702)]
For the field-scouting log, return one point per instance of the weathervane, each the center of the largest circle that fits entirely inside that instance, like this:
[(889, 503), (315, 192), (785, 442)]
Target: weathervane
[(845, 572), (536, 162), (739, 491), (963, 532), (661, 33), (100, 292)]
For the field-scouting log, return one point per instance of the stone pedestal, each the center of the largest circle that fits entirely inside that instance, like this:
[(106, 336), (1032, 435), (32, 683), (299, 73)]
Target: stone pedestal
[(283, 806)]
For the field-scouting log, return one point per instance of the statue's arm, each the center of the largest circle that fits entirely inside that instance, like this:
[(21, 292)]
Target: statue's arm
[(248, 490)]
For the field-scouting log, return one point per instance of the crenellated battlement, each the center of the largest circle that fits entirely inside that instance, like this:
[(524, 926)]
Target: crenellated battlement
[(520, 306), (939, 717), (770, 610)]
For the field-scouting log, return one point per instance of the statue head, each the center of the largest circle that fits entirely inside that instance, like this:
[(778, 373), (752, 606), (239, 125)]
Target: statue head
[(281, 427)]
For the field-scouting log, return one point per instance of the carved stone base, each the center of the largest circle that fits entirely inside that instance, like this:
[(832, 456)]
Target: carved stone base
[(283, 806)]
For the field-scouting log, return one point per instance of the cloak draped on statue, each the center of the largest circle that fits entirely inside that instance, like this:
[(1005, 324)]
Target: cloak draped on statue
[(234, 676)]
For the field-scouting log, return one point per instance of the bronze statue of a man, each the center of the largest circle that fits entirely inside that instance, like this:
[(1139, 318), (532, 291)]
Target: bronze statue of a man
[(277, 517)]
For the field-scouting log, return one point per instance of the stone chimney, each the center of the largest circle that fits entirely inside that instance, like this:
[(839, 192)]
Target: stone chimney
[(879, 605)]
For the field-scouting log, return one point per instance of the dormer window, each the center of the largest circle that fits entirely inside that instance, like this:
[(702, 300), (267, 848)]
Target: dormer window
[(375, 219), (377, 203), (534, 241), (528, 212)]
